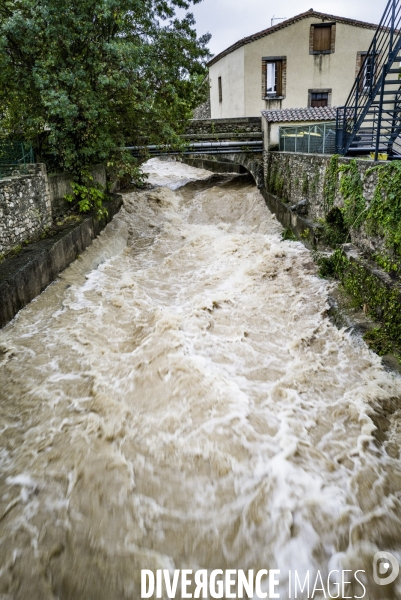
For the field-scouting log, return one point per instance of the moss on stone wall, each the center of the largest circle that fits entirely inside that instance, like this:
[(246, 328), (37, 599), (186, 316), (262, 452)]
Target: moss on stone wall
[(333, 228), (369, 292), (276, 181), (351, 188), (384, 215), (381, 217), (330, 183), (357, 204), (305, 185), (315, 183)]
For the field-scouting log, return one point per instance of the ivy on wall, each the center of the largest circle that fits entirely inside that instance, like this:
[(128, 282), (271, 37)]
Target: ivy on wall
[(381, 217), (384, 216), (339, 221), (346, 210)]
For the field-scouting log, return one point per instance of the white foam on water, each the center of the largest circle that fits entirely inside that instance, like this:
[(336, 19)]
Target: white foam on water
[(183, 401), (172, 174)]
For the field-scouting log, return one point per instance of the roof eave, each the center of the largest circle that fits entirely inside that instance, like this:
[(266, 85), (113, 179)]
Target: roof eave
[(252, 38)]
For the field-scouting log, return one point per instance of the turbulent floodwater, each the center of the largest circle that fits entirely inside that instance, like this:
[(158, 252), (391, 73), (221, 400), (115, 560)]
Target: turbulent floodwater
[(179, 399)]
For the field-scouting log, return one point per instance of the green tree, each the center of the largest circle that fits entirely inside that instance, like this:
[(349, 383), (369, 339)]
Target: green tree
[(81, 79)]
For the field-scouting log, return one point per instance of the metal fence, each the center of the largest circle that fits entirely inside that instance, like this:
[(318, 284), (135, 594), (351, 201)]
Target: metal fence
[(14, 158), (319, 138)]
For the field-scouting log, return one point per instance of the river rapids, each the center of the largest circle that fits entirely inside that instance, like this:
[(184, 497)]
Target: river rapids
[(179, 399)]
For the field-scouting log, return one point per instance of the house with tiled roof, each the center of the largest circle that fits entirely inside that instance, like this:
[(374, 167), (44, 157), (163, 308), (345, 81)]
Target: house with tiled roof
[(308, 61)]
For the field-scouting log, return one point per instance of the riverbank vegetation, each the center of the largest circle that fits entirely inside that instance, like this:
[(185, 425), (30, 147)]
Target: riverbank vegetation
[(369, 289), (80, 80)]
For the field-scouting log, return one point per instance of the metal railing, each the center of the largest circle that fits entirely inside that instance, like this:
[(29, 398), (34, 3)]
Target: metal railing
[(14, 158), (370, 119), (207, 147), (319, 138)]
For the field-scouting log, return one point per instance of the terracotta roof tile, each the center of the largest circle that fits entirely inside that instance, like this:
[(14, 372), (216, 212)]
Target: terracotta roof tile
[(326, 113), (310, 13)]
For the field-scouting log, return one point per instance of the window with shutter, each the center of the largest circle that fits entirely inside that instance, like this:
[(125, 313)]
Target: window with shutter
[(322, 38), (279, 78), (319, 99), (274, 78)]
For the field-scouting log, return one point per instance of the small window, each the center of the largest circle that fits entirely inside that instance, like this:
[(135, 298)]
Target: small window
[(319, 99), (322, 38), (220, 91), (274, 78)]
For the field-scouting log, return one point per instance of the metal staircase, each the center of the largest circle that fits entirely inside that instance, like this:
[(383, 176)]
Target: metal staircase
[(370, 121)]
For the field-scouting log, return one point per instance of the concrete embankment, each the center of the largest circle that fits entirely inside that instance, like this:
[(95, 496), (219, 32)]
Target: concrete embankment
[(25, 276)]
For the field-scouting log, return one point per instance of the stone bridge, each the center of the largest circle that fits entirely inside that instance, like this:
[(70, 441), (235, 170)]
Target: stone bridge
[(234, 162), (220, 145)]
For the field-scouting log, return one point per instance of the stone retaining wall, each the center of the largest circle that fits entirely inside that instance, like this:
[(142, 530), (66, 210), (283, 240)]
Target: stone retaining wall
[(293, 177), (231, 127), (203, 111), (29, 203), (25, 207), (25, 276)]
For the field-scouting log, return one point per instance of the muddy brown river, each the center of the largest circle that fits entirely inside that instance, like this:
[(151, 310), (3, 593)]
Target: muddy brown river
[(179, 399)]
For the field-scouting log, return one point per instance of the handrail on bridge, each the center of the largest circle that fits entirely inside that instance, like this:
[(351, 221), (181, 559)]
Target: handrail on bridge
[(199, 148)]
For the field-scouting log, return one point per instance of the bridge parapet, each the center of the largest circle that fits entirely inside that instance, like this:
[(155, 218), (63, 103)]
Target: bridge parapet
[(241, 128), (236, 142)]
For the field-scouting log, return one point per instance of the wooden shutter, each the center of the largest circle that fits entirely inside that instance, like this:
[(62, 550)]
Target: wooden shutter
[(319, 99), (322, 38), (279, 78)]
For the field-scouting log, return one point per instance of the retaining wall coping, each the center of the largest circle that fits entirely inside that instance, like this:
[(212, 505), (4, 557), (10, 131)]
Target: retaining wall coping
[(327, 157)]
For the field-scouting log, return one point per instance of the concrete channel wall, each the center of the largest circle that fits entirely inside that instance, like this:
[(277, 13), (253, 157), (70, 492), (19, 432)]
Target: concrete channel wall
[(25, 276)]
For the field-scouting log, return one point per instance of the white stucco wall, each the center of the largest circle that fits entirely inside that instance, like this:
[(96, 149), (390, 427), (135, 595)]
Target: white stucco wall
[(242, 73), (231, 70)]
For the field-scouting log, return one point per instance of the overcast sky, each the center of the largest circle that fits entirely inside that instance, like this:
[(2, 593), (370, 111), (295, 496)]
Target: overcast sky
[(231, 20)]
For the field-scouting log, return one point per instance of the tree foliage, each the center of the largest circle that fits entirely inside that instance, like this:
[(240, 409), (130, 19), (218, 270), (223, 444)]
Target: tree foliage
[(81, 79)]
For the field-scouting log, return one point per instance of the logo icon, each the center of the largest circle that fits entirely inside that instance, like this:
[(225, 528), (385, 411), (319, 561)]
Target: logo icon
[(385, 568)]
